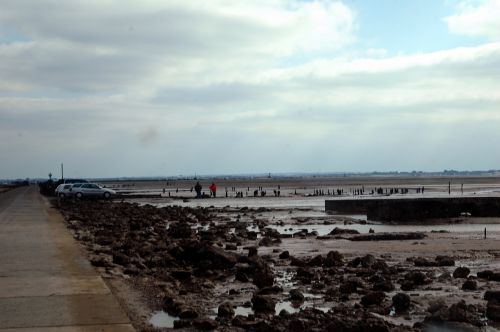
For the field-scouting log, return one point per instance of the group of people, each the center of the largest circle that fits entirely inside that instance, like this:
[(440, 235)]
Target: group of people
[(212, 187)]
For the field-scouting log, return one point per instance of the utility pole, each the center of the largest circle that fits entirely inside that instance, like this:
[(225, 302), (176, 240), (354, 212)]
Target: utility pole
[(449, 187), (62, 171)]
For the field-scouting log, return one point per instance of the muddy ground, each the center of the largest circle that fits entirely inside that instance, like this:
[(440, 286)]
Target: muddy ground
[(227, 268)]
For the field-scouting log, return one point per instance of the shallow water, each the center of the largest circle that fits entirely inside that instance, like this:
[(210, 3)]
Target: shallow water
[(380, 228), (162, 319)]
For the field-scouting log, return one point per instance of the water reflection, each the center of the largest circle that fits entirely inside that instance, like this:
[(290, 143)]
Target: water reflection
[(162, 319)]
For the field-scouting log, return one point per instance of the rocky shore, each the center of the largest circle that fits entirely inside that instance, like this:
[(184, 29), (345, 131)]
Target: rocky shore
[(225, 269)]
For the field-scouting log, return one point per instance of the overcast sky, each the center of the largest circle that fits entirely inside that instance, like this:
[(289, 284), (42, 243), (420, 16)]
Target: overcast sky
[(147, 88)]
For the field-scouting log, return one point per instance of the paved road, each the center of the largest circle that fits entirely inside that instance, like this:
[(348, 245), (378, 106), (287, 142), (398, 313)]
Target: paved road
[(46, 284)]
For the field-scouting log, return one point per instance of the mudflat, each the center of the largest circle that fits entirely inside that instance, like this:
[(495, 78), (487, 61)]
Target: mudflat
[(282, 263)]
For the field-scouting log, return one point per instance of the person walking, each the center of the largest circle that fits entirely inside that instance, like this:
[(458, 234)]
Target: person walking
[(213, 189), (198, 188)]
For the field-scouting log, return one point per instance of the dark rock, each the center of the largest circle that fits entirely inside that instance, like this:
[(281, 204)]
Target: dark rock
[(180, 230), (461, 272), (296, 295), (225, 310), (205, 324), (182, 323), (355, 262), (461, 312), (270, 290), (263, 277), (492, 296), (401, 301), (263, 303), (416, 277), (373, 298), (342, 231), (388, 237), (241, 276), (493, 311), (367, 261), (188, 313), (266, 241), (284, 255), (485, 274), (181, 274), (172, 306), (445, 276), (316, 261), (445, 261), (407, 285), (252, 251), (384, 285), (333, 258), (495, 276), (101, 261), (304, 273), (423, 262), (469, 285), (297, 262), (121, 259)]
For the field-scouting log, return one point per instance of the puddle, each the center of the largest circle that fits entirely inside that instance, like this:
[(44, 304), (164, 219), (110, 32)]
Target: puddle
[(162, 319), (379, 228), (293, 307), (284, 278), (239, 310)]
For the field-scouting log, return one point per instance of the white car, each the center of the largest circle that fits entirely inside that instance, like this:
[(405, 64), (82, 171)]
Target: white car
[(80, 190), (64, 190)]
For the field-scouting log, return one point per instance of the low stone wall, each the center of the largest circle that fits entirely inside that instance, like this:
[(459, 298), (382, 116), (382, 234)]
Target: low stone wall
[(414, 209)]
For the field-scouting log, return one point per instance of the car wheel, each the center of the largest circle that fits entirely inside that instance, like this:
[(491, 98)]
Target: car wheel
[(62, 195), (78, 195), (107, 195)]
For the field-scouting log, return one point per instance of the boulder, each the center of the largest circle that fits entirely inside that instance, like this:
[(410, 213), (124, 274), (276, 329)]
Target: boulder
[(316, 261), (263, 277), (296, 295), (373, 298), (493, 311), (401, 301), (416, 277), (343, 231), (179, 230), (469, 285), (263, 303), (485, 274), (461, 272), (205, 324), (284, 255), (225, 310), (384, 285), (445, 261), (367, 261), (423, 262), (333, 258), (492, 296)]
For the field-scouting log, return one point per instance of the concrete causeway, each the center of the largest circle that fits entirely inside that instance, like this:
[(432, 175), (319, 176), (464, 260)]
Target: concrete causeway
[(46, 284)]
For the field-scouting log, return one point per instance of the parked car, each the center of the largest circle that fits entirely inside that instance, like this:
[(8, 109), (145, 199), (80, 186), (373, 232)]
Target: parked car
[(80, 190), (64, 190)]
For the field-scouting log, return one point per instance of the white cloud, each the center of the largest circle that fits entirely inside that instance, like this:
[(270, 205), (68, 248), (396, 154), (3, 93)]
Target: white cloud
[(476, 19), (270, 87)]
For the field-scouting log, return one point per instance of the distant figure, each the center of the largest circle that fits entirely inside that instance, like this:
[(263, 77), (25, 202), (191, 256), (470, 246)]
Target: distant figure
[(213, 189), (485, 233), (198, 188)]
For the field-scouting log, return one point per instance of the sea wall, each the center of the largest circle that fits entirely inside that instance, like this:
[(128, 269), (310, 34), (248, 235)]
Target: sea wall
[(414, 209)]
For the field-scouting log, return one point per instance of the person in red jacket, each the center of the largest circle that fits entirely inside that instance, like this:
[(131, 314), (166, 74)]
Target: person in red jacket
[(213, 189)]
